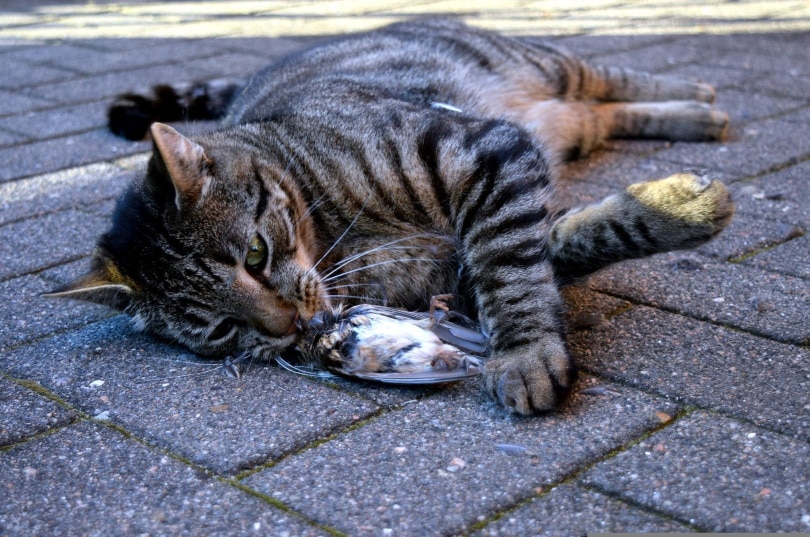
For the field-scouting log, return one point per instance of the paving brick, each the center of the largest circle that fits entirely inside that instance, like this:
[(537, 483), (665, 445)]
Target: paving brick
[(744, 107), (751, 151), (571, 510), (731, 476), (656, 58), (74, 187), (90, 61), (746, 376), (783, 196), (722, 78), (269, 48), (236, 64), (590, 46), (787, 258), (59, 153), (169, 397), (8, 137), (29, 316), (58, 121), (89, 480), (15, 103), (768, 304), (434, 466), (19, 74), (39, 243), (747, 234), (26, 414), (94, 88)]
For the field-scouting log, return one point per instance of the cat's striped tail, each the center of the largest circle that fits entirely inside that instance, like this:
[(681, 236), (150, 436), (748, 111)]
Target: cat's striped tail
[(132, 113)]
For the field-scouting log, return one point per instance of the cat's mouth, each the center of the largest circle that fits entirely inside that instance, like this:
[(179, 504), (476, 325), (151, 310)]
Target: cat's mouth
[(296, 325)]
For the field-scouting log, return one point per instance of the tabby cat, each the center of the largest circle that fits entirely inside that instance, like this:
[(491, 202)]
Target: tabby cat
[(391, 166)]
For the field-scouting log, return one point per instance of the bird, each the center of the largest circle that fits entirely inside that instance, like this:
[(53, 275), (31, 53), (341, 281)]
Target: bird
[(389, 345)]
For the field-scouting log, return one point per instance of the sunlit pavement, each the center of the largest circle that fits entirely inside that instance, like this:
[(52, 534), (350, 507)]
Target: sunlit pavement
[(692, 413)]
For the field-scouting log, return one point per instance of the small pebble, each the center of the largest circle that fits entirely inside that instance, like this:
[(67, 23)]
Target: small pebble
[(455, 465)]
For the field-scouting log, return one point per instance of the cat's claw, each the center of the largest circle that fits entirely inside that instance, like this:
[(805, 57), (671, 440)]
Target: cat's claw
[(526, 384)]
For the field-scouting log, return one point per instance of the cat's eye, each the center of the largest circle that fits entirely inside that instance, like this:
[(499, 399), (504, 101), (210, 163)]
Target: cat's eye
[(223, 329), (257, 253)]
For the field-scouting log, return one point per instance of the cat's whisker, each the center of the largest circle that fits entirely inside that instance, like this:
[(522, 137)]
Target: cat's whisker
[(351, 285), (340, 238), (153, 380), (388, 246), (342, 275), (361, 298)]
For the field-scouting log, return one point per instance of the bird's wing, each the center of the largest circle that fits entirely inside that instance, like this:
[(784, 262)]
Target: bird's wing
[(433, 376), (466, 339)]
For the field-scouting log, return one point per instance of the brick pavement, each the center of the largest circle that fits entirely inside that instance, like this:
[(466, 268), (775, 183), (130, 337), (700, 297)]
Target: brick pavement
[(705, 425)]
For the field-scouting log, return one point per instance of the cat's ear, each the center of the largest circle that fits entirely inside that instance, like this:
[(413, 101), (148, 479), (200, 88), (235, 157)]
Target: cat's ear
[(185, 162), (102, 284)]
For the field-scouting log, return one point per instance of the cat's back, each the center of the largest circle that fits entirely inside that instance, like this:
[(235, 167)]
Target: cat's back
[(418, 62)]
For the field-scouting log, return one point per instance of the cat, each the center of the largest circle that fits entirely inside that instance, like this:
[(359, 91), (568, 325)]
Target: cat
[(388, 167)]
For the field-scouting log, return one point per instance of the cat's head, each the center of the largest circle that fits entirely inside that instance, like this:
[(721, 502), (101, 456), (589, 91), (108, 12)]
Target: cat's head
[(211, 248)]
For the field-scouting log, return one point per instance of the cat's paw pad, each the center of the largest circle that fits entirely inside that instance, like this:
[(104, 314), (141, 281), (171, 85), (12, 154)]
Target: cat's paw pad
[(700, 206), (526, 383)]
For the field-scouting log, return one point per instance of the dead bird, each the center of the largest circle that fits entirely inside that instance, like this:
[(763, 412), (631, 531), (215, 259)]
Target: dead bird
[(391, 345)]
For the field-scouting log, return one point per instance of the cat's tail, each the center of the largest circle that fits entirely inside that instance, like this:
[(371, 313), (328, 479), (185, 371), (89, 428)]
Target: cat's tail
[(131, 114)]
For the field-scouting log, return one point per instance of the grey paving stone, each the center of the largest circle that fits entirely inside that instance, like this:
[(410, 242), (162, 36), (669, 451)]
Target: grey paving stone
[(571, 510), (74, 187), (20, 74), (26, 413), (58, 121), (89, 480), (8, 137), (270, 48), (434, 467), (753, 300), (167, 396), (719, 474), (64, 273), (586, 308), (54, 54), (747, 234), (16, 103), (28, 316), (787, 258), (94, 88), (785, 59), (743, 375), (744, 107), (782, 196), (753, 150), (593, 46), (235, 64), (59, 153), (656, 58), (789, 84), (722, 78), (39, 243), (91, 61)]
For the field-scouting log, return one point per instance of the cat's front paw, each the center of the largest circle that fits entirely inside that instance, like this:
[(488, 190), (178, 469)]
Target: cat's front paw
[(690, 209), (527, 381)]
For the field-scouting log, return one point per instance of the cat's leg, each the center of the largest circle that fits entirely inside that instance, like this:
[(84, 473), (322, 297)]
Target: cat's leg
[(573, 129), (619, 84), (681, 211), (502, 225), (132, 113)]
